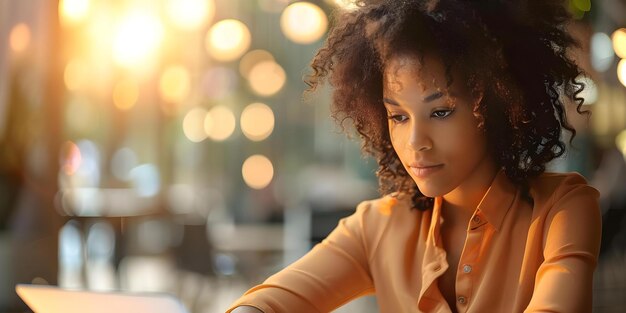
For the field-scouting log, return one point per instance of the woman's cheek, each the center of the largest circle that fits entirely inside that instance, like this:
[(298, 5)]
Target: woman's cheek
[(397, 139), (392, 134)]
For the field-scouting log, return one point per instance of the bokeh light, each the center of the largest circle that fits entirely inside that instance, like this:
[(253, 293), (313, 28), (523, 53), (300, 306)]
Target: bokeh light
[(257, 171), (76, 74), (80, 165), (193, 124), (175, 84), (219, 123), (602, 54), (125, 93), (303, 22), (619, 42), (100, 248), (72, 12), (100, 34), (19, 38), (257, 121), (70, 158), (582, 5), (145, 180), (138, 36), (621, 71), (227, 40), (71, 255), (251, 59), (267, 78), (190, 14), (100, 241)]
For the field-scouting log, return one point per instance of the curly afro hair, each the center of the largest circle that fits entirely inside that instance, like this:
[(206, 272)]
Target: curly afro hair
[(513, 54)]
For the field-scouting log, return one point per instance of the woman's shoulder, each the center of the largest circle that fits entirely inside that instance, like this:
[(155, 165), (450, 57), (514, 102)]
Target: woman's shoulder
[(386, 205), (551, 187), (388, 209), (389, 216)]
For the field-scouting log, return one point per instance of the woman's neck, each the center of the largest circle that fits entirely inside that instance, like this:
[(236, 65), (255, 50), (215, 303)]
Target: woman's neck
[(463, 200)]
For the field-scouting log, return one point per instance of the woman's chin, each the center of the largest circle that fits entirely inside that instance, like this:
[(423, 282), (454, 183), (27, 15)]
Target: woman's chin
[(431, 191)]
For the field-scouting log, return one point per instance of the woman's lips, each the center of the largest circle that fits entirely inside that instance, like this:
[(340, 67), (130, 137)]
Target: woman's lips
[(422, 172)]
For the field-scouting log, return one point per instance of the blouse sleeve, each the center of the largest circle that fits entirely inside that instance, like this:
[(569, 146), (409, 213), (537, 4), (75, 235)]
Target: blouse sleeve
[(331, 274), (572, 234)]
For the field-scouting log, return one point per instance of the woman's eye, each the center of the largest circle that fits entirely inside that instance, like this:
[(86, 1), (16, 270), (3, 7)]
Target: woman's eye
[(442, 113), (397, 118)]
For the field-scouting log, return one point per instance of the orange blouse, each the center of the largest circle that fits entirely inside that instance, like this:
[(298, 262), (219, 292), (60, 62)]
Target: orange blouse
[(516, 257)]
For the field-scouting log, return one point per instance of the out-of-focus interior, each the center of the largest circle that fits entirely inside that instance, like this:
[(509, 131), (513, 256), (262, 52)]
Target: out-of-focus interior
[(164, 145)]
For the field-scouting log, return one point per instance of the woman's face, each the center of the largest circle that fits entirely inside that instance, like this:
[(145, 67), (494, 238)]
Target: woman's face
[(433, 130)]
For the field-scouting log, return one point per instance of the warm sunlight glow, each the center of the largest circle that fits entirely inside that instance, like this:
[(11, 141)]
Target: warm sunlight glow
[(190, 14), (76, 74), (19, 37), (619, 42), (72, 12), (193, 124), (125, 94), (175, 84), (303, 22), (251, 59), (267, 78), (137, 38), (257, 171), (227, 40), (257, 121), (220, 123), (343, 4)]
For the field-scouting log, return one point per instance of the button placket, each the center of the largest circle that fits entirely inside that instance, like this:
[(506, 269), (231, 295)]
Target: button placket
[(468, 260)]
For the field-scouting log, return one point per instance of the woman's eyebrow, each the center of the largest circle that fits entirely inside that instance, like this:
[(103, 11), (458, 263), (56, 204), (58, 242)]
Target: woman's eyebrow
[(389, 101), (433, 97), (427, 99)]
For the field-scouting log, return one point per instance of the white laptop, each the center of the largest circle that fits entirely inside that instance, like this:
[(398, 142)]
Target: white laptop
[(51, 299)]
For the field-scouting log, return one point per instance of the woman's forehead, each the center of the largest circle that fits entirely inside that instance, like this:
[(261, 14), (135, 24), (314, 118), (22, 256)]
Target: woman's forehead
[(427, 71)]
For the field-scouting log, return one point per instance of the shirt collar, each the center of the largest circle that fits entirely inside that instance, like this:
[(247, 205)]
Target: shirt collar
[(493, 207), (497, 200)]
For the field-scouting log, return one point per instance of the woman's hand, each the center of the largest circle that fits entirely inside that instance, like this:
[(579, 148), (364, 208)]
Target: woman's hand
[(246, 309)]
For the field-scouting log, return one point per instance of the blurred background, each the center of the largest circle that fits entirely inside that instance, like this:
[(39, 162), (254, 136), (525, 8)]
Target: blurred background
[(164, 145)]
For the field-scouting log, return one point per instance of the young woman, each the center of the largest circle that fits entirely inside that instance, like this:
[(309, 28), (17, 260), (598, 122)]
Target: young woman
[(462, 104)]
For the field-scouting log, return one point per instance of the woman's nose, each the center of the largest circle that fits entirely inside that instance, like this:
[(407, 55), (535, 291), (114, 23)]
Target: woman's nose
[(419, 139)]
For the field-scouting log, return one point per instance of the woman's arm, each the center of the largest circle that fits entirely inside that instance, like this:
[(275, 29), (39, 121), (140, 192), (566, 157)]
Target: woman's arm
[(572, 234), (331, 274)]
